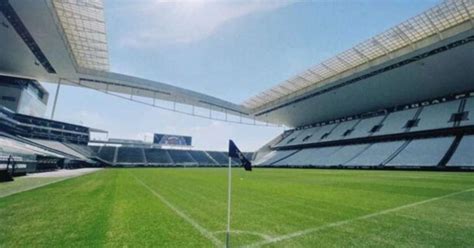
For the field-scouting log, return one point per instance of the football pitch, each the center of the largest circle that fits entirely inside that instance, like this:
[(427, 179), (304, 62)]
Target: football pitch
[(270, 208)]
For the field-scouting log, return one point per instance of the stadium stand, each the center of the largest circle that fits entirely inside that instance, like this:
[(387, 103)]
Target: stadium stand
[(157, 157), (342, 131), (182, 157), (464, 154), (319, 133), (376, 154), (308, 157), (366, 127), (220, 157), (343, 155), (202, 158), (289, 138), (95, 149), (423, 152), (436, 116), (414, 136), (130, 155), (275, 156), (58, 146), (150, 156), (85, 151), (396, 121), (469, 109), (108, 153), (249, 155)]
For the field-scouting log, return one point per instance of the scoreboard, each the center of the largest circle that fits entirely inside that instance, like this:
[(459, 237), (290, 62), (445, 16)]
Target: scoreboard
[(172, 140)]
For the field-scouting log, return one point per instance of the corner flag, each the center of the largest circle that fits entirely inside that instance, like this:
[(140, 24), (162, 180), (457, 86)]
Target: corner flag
[(234, 152)]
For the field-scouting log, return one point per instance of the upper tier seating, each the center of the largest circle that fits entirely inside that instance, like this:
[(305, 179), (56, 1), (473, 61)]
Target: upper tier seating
[(430, 117), (422, 152), (342, 131), (396, 121), (319, 133), (469, 107), (288, 139), (157, 157), (436, 116), (365, 126), (464, 154), (130, 155)]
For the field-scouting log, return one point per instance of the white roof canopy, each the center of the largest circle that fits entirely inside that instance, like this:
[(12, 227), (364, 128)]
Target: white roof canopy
[(84, 27), (429, 23)]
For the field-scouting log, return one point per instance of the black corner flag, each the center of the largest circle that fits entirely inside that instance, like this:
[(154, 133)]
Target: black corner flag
[(234, 152)]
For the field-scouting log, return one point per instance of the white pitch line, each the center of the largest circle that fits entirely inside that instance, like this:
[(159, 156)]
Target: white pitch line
[(343, 222), (206, 233), (262, 235)]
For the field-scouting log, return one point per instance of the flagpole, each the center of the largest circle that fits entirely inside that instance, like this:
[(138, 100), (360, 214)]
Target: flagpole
[(229, 188)]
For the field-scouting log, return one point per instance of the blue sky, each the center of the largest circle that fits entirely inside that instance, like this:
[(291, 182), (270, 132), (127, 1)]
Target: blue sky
[(228, 49)]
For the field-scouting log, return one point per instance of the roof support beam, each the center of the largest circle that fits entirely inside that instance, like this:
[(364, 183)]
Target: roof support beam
[(343, 61), (367, 59), (328, 68), (471, 17), (434, 26)]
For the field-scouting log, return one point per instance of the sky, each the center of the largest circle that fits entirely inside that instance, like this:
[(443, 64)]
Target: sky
[(228, 49)]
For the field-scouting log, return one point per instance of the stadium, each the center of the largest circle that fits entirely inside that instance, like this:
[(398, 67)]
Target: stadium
[(377, 148)]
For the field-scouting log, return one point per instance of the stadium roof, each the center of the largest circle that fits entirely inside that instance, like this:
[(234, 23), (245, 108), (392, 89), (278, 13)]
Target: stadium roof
[(432, 22), (84, 27), (65, 40)]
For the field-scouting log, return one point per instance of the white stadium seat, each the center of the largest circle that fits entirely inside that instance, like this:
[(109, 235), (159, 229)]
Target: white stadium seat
[(464, 154), (395, 122), (436, 116), (423, 152), (376, 154)]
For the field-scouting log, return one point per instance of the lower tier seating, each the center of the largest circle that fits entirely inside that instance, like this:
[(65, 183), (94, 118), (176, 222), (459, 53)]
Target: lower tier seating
[(464, 154), (423, 152), (157, 157), (405, 153), (220, 157), (202, 158), (107, 153), (142, 156), (182, 157), (130, 155)]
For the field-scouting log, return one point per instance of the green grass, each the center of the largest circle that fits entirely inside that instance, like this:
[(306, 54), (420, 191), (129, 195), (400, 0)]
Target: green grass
[(187, 208)]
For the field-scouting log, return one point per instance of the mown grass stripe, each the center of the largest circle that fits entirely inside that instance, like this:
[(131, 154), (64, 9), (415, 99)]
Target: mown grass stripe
[(344, 222), (206, 233)]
